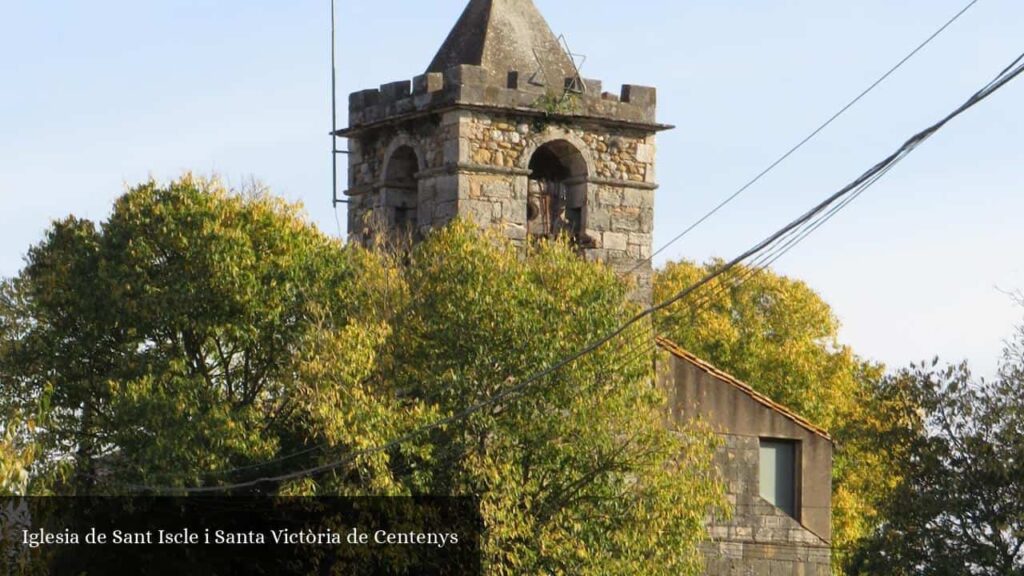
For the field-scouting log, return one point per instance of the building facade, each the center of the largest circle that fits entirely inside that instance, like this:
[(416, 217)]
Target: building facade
[(776, 466), (501, 130)]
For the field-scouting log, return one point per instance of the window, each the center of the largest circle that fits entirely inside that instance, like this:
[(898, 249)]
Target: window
[(778, 474), (401, 193)]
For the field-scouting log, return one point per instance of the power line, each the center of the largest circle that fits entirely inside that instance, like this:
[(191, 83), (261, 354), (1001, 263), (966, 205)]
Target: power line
[(782, 240), (809, 137)]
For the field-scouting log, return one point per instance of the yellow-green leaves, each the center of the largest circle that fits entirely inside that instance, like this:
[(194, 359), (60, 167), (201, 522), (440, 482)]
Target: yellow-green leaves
[(577, 472), (16, 456), (204, 337)]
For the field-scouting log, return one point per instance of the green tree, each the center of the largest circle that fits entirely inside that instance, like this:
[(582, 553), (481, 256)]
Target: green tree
[(578, 474), (780, 337), (17, 451), (959, 510), (200, 337), (166, 342)]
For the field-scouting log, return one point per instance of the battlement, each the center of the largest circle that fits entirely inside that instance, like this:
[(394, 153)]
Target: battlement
[(472, 86)]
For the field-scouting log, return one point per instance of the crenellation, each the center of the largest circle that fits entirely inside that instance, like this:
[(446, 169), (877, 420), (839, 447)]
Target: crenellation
[(427, 83), (358, 101), (593, 87), (493, 141), (475, 86), (394, 91)]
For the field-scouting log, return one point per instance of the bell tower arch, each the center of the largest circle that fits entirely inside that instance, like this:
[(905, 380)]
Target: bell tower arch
[(502, 131)]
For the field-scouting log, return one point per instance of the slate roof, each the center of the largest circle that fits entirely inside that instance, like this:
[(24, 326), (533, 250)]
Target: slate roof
[(682, 354), (504, 36)]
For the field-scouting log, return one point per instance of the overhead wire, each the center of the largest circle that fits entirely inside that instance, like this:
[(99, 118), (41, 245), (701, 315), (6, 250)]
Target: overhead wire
[(821, 128)]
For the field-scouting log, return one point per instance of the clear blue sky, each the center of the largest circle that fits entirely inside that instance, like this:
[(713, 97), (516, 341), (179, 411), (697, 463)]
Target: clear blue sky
[(97, 95)]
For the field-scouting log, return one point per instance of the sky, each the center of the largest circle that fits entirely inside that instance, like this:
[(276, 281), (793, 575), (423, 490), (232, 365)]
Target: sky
[(96, 96)]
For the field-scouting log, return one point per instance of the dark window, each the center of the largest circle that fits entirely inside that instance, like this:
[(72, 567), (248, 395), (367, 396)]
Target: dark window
[(557, 192), (401, 193)]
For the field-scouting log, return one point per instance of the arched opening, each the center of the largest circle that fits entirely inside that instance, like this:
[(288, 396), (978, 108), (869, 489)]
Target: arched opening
[(557, 192), (401, 192)]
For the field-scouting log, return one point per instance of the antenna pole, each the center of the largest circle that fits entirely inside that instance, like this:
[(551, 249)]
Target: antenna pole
[(334, 110)]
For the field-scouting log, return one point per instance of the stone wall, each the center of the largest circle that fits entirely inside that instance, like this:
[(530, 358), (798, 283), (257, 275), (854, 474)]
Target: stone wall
[(759, 539), (476, 164), (474, 132)]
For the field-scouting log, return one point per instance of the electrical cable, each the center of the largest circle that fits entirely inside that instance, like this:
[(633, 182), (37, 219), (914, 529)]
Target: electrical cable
[(808, 138)]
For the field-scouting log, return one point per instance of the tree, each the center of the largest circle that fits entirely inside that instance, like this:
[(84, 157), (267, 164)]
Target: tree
[(165, 342), (200, 337), (780, 337), (578, 473), (959, 510)]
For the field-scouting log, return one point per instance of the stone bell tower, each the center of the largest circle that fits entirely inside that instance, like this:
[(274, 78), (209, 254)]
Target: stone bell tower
[(501, 130)]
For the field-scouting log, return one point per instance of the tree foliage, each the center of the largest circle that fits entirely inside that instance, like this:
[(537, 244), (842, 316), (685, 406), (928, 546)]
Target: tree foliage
[(780, 337), (578, 473), (959, 510), (200, 337)]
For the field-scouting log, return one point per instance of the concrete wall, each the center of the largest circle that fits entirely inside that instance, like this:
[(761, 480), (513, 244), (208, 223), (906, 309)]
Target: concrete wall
[(759, 539)]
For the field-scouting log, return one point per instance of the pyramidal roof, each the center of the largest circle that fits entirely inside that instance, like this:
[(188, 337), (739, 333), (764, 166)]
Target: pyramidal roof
[(504, 36)]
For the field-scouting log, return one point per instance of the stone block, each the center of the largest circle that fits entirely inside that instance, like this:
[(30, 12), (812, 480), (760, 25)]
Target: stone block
[(427, 83), (643, 96), (645, 153), (615, 241), (479, 211), (465, 75), (394, 91), (632, 198), (610, 197), (497, 190), (363, 99), (445, 212)]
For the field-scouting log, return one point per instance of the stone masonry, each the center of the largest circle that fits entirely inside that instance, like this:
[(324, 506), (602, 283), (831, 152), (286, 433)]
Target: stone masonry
[(464, 142), (759, 539)]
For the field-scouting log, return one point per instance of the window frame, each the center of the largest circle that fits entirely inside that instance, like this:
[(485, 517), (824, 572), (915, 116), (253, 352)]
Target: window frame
[(796, 487)]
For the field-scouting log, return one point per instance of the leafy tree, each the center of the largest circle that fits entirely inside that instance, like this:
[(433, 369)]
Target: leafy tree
[(959, 510), (166, 342), (780, 337), (578, 474), (204, 337), (15, 460)]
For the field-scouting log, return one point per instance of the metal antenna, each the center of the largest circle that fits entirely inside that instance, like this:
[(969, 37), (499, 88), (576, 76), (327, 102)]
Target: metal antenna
[(334, 112)]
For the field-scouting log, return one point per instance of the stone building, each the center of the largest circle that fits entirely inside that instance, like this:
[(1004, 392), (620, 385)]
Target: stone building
[(502, 130), (777, 468)]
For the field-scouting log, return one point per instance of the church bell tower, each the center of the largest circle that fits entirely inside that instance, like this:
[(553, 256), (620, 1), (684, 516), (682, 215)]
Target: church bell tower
[(503, 131)]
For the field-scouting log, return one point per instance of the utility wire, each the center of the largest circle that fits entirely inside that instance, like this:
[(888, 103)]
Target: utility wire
[(806, 223), (809, 137)]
